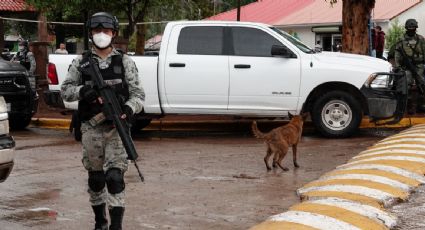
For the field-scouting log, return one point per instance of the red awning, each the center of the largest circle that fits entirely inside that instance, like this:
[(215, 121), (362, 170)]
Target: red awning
[(264, 11), (308, 12), (15, 5)]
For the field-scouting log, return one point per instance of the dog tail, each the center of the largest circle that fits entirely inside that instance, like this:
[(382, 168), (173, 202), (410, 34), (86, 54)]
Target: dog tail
[(256, 131)]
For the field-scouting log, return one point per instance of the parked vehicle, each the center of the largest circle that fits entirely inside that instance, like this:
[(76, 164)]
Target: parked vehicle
[(18, 88), (248, 69), (7, 144)]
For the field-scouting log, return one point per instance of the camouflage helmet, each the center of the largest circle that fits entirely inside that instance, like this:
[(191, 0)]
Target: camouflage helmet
[(411, 23), (103, 20)]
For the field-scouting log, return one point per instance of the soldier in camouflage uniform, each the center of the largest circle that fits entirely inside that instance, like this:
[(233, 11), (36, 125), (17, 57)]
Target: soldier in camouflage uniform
[(25, 57), (414, 47), (103, 154)]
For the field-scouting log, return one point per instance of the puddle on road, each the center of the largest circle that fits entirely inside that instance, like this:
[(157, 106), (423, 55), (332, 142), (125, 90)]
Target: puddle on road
[(33, 217), (20, 209), (30, 200)]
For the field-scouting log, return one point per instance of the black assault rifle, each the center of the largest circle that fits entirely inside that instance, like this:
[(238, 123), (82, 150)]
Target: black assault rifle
[(410, 66), (112, 109)]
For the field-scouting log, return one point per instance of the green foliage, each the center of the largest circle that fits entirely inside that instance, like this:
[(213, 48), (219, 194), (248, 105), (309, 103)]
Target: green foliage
[(132, 42), (394, 34), (126, 10)]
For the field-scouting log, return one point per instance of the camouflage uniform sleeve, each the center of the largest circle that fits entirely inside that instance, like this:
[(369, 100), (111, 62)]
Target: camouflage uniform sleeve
[(136, 100), (70, 88), (397, 55), (33, 64)]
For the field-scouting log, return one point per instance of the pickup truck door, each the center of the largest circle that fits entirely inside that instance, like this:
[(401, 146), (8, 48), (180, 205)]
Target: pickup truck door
[(259, 81), (386, 95), (196, 72)]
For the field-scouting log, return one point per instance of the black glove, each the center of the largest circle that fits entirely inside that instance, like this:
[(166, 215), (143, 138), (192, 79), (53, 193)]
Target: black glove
[(397, 69), (128, 113), (88, 94)]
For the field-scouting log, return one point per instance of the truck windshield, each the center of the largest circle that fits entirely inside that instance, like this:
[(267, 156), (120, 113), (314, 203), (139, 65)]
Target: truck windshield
[(294, 41)]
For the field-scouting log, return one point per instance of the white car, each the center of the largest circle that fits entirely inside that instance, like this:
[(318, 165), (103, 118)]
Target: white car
[(7, 143)]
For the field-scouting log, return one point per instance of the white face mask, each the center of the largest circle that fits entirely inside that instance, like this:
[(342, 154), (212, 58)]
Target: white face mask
[(102, 40), (21, 48)]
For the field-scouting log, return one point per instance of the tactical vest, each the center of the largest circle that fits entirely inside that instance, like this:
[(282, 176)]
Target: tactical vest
[(114, 77), (413, 49), (23, 59)]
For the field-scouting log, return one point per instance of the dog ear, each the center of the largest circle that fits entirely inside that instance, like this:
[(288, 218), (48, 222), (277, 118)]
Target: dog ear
[(290, 115)]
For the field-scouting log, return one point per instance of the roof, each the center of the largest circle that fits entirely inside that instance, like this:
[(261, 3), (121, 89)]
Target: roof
[(265, 11), (307, 12), (321, 12), (15, 5)]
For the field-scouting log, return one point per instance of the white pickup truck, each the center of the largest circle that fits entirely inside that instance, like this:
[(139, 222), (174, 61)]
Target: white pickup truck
[(254, 70)]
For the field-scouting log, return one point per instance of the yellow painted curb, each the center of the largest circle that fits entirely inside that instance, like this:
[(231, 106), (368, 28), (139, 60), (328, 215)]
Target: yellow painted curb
[(64, 123), (353, 195), (342, 214), (281, 225), (390, 175), (313, 195), (411, 166), (383, 144), (364, 183), (386, 154), (392, 149), (51, 123)]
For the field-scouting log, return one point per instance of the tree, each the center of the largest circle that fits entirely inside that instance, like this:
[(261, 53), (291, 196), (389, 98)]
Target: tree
[(355, 19), (395, 33)]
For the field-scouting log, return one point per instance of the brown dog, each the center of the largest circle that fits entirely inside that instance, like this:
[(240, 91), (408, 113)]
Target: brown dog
[(280, 139)]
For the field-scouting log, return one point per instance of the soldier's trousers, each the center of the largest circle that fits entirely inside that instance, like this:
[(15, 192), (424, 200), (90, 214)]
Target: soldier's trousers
[(102, 151)]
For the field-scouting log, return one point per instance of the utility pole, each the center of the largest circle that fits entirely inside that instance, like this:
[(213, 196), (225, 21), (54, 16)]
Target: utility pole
[(238, 17)]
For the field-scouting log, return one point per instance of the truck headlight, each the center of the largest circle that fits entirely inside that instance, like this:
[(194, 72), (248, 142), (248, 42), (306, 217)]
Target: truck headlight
[(379, 80)]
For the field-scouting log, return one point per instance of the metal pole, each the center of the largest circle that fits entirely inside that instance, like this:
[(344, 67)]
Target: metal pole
[(238, 17)]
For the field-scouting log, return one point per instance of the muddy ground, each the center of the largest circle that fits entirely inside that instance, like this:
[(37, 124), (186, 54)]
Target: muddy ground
[(194, 180)]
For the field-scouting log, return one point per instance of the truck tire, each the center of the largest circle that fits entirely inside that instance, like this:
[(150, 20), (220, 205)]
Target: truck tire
[(140, 124), (336, 114), (19, 123)]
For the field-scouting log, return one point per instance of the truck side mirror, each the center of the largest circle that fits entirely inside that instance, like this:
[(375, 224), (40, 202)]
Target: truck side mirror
[(282, 51)]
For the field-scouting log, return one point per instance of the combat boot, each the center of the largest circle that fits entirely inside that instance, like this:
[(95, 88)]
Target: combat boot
[(116, 214), (100, 217)]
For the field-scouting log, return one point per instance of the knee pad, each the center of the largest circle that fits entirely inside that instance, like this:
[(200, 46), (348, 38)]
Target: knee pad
[(115, 180), (96, 181)]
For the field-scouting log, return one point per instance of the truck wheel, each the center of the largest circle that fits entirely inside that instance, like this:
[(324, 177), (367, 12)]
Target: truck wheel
[(336, 114), (140, 124), (19, 123)]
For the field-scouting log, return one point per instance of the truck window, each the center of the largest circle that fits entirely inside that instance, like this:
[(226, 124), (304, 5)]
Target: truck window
[(252, 42), (294, 41), (201, 40)]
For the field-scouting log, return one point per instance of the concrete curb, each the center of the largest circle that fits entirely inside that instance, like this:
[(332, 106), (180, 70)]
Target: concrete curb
[(206, 124), (356, 195), (51, 123)]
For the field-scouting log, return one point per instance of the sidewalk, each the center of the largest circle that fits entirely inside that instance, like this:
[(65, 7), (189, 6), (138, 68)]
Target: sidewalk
[(60, 119)]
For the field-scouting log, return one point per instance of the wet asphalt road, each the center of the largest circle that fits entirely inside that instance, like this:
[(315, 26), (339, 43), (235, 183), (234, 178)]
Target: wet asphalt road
[(194, 180)]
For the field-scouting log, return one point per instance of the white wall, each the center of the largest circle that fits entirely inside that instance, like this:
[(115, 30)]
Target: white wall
[(304, 34), (416, 12)]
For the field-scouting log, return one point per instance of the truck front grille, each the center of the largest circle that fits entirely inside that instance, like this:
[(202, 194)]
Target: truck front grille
[(13, 83)]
